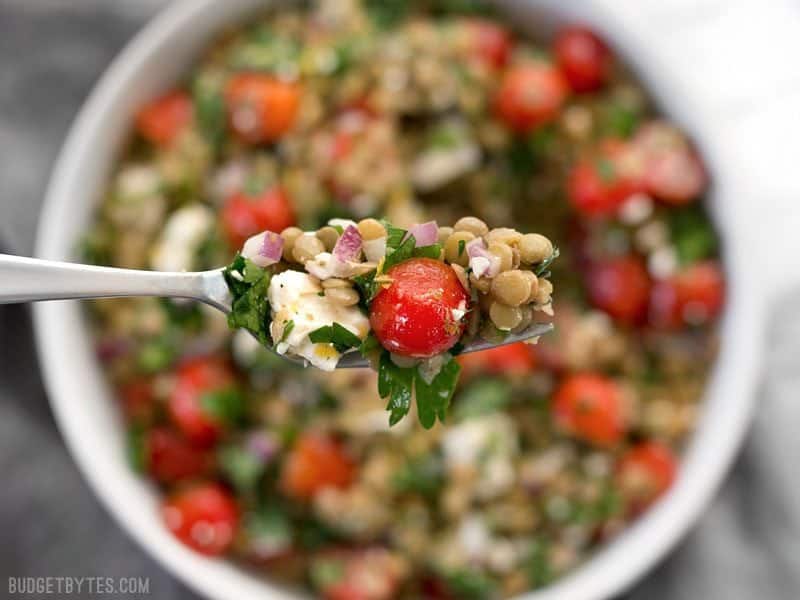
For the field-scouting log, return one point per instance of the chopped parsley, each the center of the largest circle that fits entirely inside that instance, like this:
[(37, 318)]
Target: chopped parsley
[(399, 384), (342, 338), (287, 329), (250, 309)]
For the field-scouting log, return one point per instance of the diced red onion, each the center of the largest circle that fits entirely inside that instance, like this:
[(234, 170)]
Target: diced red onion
[(272, 246), (482, 262), (425, 234), (375, 250), (264, 248), (348, 246)]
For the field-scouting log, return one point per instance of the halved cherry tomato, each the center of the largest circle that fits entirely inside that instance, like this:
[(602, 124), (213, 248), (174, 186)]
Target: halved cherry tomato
[(620, 287), (590, 407), (530, 95), (261, 108), (315, 462), (693, 296), (645, 472), (196, 379), (169, 457), (598, 187), (164, 119), (244, 215), (204, 517), (584, 58), (511, 359), (368, 574), (414, 315), (490, 42), (138, 400)]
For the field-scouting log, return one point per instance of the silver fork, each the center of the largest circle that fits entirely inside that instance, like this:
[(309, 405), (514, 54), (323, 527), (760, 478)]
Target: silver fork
[(25, 279)]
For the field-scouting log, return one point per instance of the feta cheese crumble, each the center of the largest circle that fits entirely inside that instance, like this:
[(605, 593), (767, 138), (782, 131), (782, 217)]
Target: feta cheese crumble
[(296, 297)]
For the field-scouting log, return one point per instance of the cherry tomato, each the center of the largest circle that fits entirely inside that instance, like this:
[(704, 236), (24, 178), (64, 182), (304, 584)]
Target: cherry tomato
[(261, 108), (244, 215), (490, 42), (315, 462), (590, 407), (693, 296), (368, 574), (204, 517), (599, 186), (584, 58), (169, 457), (511, 359), (675, 177), (530, 95), (645, 472), (165, 118), (194, 380), (620, 287), (138, 400), (414, 316)]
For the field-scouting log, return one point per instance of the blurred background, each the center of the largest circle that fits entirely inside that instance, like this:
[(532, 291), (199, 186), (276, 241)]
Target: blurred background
[(747, 544)]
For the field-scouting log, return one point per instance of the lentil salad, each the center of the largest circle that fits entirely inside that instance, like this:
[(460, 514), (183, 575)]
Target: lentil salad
[(356, 110)]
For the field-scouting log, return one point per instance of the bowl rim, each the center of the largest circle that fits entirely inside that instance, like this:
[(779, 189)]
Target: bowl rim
[(729, 397)]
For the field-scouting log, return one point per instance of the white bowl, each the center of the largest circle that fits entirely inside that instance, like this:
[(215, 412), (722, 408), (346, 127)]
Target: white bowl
[(84, 406)]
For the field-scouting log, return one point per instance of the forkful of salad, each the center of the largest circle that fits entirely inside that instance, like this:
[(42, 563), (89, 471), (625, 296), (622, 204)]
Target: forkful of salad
[(403, 301)]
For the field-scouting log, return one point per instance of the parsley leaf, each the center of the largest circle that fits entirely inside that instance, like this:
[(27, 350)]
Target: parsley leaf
[(342, 338), (250, 309), (397, 255), (399, 383), (396, 383), (433, 398), (287, 329), (432, 251)]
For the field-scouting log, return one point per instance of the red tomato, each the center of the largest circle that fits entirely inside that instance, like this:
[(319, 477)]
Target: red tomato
[(261, 108), (620, 287), (194, 379), (169, 457), (369, 574), (204, 517), (511, 359), (165, 118), (693, 296), (584, 58), (413, 316), (675, 177), (315, 462), (598, 187), (138, 400), (244, 215), (530, 95), (491, 42), (590, 407), (645, 472)]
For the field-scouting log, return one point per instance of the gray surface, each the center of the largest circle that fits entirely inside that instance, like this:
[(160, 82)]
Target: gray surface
[(51, 51)]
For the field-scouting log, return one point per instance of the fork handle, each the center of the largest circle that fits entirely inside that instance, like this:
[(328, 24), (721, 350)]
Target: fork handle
[(25, 279)]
